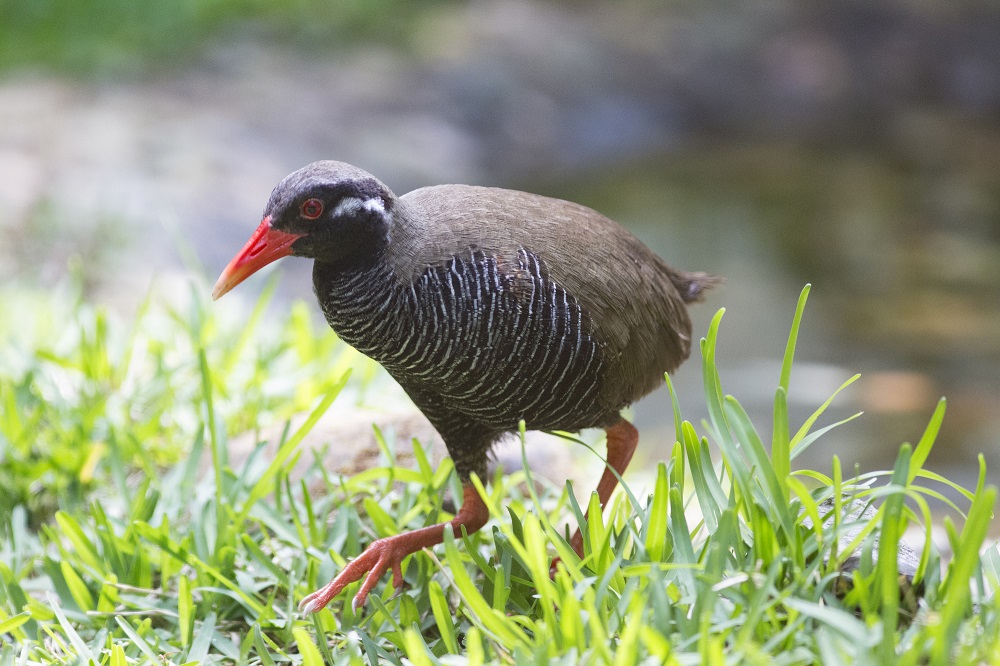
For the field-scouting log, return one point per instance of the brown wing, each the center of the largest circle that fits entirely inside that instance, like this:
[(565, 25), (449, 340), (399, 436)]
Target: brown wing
[(628, 291)]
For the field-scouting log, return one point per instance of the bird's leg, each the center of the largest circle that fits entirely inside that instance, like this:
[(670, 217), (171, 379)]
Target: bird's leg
[(622, 440), (388, 553)]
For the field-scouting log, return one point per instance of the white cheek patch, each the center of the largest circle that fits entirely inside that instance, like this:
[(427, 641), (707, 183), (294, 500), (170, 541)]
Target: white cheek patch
[(374, 205), (349, 206)]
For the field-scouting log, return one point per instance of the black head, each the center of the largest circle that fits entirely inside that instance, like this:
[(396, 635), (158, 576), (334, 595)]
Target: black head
[(338, 211), (329, 211)]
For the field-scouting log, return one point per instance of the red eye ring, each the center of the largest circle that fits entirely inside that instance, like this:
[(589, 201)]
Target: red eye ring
[(311, 209)]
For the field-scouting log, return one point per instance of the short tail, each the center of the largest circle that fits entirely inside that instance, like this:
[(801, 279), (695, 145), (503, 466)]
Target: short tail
[(692, 286)]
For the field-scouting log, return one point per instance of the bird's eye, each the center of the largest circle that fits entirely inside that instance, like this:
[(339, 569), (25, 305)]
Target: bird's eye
[(311, 209)]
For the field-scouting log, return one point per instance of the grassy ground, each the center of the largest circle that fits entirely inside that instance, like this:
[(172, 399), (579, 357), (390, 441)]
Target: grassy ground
[(115, 37), (116, 548)]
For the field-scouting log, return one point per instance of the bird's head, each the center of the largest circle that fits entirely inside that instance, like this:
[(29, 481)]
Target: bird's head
[(330, 211)]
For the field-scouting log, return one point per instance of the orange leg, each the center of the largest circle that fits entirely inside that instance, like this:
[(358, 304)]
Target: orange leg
[(622, 440), (388, 553)]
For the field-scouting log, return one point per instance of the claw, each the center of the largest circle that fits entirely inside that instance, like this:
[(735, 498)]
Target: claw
[(308, 605)]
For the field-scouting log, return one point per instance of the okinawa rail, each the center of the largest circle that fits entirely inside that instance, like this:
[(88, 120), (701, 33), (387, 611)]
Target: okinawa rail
[(489, 307)]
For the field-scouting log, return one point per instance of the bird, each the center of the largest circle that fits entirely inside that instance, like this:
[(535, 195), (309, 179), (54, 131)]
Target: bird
[(489, 307)]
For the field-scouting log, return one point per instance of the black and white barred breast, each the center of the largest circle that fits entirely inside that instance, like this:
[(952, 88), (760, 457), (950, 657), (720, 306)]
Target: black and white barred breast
[(494, 338)]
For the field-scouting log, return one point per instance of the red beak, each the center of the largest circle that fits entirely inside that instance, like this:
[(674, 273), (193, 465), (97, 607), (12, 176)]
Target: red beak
[(266, 245)]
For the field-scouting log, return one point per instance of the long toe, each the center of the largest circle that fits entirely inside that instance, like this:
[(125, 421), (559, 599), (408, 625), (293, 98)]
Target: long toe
[(354, 571), (371, 580), (378, 558)]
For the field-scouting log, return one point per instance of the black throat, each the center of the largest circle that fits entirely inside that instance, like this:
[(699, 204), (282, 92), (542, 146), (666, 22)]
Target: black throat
[(357, 294)]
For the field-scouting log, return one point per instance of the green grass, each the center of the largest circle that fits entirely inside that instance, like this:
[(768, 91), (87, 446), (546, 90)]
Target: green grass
[(126, 37), (114, 551)]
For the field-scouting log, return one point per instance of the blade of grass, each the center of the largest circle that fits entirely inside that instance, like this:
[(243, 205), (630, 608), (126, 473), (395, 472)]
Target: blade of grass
[(676, 406), (926, 442), (78, 589), (797, 443), (483, 615), (443, 617), (807, 441), (307, 648), (185, 605), (137, 640), (154, 535), (793, 336), (780, 451), (775, 501), (266, 480), (656, 521), (893, 523), (960, 573), (202, 639)]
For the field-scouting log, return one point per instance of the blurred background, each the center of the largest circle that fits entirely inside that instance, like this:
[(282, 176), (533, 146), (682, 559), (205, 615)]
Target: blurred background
[(851, 145)]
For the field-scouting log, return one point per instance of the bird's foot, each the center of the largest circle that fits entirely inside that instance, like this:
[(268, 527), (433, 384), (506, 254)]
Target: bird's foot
[(389, 553), (379, 557)]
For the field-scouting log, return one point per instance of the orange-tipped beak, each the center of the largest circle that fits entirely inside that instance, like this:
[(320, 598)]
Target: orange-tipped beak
[(266, 245)]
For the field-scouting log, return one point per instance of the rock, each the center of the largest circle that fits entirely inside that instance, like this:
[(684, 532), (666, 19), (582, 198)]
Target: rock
[(345, 439), (857, 517)]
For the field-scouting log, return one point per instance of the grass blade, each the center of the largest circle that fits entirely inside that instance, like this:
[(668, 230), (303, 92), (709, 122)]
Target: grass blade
[(781, 457), (927, 440), (793, 336)]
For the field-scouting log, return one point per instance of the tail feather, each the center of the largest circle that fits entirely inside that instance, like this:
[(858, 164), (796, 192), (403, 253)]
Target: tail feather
[(692, 286)]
